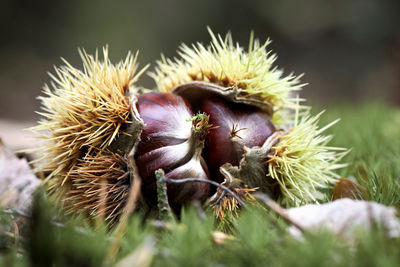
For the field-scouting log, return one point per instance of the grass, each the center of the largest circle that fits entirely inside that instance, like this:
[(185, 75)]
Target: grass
[(371, 130)]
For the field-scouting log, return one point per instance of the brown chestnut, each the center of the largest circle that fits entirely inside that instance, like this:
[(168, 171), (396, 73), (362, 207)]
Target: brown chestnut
[(170, 142), (236, 126)]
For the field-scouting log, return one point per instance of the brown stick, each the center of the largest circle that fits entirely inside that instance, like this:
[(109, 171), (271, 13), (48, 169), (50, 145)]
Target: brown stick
[(164, 210), (191, 180), (130, 206)]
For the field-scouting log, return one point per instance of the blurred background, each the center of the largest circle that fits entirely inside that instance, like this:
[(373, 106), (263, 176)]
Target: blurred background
[(349, 50)]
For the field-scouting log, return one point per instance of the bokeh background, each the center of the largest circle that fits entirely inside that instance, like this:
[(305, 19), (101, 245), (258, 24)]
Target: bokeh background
[(349, 50)]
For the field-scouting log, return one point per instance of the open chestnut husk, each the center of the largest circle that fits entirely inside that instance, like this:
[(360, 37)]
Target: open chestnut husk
[(294, 162)]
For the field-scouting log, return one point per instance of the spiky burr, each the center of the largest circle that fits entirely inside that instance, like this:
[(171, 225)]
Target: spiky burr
[(83, 113)]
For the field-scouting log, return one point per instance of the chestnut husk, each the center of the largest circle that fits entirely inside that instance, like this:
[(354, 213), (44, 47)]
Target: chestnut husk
[(196, 92)]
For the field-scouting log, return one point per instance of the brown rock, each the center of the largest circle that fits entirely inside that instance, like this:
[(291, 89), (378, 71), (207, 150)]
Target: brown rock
[(17, 181)]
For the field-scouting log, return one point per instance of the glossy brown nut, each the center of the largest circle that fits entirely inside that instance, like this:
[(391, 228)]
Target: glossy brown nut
[(167, 143), (237, 125)]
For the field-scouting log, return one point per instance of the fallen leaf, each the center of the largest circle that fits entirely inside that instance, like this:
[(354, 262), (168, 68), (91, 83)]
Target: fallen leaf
[(343, 217)]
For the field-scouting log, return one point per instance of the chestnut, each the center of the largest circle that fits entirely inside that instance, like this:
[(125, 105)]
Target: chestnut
[(169, 141), (237, 125)]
